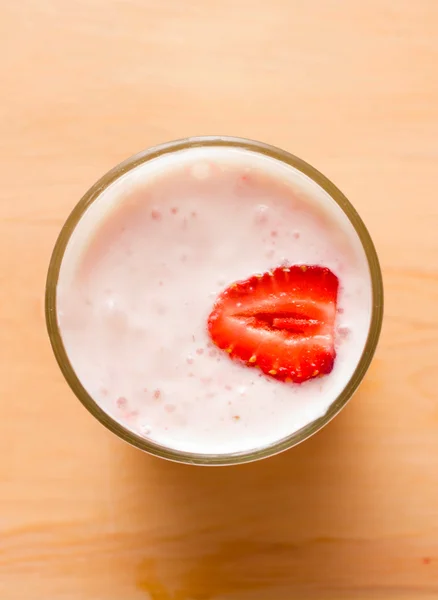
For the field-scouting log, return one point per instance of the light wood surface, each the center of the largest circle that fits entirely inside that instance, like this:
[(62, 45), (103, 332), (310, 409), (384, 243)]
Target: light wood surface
[(348, 85)]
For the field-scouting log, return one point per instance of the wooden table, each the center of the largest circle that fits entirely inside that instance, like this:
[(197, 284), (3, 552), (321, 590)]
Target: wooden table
[(350, 86)]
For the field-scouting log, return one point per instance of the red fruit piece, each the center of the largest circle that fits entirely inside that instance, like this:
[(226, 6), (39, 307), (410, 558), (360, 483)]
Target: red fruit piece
[(281, 321)]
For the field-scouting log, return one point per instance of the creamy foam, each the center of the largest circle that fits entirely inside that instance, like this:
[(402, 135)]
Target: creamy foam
[(141, 273)]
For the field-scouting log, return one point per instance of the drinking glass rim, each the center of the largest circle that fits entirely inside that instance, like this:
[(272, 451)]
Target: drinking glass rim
[(193, 457)]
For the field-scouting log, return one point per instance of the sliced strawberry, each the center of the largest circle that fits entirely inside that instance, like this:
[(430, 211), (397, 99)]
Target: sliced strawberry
[(281, 321)]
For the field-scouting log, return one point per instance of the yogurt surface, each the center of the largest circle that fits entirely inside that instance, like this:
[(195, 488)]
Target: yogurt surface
[(141, 273)]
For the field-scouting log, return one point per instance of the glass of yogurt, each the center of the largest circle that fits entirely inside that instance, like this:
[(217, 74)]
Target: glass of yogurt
[(214, 300)]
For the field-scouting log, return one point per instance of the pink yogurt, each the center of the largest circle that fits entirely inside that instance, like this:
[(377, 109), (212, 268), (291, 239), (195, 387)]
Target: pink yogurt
[(141, 273)]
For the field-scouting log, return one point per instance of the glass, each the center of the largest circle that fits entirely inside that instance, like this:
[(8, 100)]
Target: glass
[(213, 459)]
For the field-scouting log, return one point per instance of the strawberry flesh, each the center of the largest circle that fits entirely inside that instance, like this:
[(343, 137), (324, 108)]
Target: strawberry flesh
[(281, 321)]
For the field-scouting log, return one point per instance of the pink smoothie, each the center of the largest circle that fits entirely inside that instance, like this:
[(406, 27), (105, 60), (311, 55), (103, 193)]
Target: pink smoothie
[(142, 271)]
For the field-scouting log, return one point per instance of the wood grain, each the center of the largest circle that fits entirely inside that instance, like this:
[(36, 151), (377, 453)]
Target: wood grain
[(350, 86)]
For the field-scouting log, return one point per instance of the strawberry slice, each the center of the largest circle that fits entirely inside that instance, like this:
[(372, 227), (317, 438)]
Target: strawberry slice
[(281, 321)]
